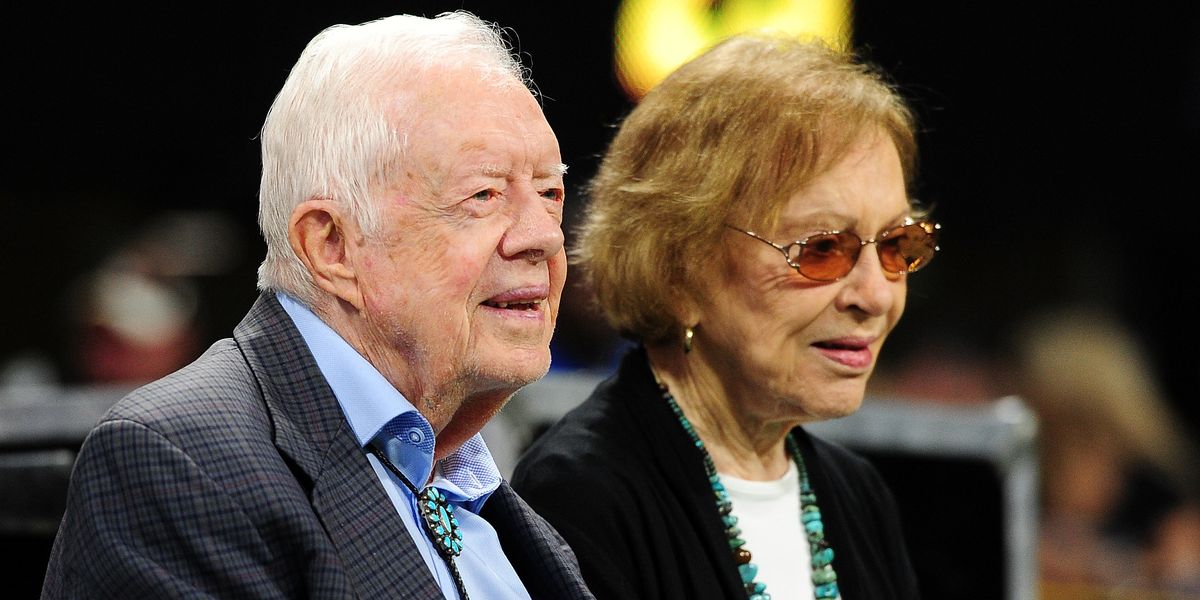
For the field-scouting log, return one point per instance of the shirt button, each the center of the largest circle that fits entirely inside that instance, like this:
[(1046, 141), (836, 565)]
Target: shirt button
[(414, 435)]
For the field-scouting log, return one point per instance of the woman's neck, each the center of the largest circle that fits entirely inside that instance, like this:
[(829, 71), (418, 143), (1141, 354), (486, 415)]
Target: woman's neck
[(740, 443)]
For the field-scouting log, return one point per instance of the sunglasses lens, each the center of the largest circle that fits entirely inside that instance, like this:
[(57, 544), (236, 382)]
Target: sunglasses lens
[(907, 249), (828, 257)]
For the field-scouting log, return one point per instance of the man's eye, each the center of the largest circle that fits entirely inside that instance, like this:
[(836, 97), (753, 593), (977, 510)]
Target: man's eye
[(483, 195), (554, 194)]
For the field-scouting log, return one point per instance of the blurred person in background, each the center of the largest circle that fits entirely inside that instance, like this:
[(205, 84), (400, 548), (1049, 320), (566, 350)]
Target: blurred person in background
[(133, 327), (411, 203), (1119, 473), (140, 311), (751, 229)]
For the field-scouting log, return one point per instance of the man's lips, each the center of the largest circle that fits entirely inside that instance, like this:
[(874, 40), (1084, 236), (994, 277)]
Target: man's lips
[(522, 298), (518, 305)]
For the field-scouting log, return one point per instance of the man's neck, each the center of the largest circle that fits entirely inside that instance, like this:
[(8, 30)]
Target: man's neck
[(454, 411)]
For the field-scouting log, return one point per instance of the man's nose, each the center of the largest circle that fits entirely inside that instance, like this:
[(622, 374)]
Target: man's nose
[(536, 231)]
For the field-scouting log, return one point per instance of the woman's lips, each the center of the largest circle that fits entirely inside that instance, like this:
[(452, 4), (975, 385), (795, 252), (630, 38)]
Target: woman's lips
[(851, 352)]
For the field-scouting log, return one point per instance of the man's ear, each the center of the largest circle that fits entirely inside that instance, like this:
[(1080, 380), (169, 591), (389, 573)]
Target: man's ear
[(322, 239)]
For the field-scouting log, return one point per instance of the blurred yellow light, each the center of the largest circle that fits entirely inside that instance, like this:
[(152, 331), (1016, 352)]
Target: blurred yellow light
[(653, 37)]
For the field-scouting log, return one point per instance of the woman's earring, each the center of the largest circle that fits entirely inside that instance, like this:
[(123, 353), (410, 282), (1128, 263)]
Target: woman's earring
[(687, 339)]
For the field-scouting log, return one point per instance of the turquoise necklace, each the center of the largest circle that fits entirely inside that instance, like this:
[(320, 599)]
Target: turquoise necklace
[(824, 578)]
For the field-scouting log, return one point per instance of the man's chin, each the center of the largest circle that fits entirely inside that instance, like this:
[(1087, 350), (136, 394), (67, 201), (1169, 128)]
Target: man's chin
[(515, 369)]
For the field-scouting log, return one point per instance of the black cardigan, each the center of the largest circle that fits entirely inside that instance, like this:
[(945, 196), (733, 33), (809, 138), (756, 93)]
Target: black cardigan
[(623, 483)]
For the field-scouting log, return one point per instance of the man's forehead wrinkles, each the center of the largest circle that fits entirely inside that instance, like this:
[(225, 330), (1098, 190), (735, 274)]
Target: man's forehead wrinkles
[(472, 145)]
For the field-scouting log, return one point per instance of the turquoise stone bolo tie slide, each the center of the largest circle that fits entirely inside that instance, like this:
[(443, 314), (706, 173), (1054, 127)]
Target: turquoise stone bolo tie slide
[(438, 514)]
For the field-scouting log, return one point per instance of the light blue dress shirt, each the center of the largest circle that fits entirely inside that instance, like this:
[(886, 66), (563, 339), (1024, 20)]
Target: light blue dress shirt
[(378, 413)]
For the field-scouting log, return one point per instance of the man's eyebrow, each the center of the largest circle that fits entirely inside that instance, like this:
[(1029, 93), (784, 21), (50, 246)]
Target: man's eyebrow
[(496, 171), (542, 172), (557, 170)]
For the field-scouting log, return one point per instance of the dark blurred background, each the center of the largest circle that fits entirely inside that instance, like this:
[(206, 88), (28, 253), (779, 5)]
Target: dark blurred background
[(1059, 145)]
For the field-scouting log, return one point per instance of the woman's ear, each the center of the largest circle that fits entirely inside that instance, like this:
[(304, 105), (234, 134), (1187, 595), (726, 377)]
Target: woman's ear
[(687, 310), (321, 239)]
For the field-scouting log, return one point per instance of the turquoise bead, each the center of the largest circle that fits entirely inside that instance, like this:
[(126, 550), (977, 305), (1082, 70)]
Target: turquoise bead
[(763, 596), (822, 558), (815, 527), (828, 590), (824, 575), (748, 571), (735, 543)]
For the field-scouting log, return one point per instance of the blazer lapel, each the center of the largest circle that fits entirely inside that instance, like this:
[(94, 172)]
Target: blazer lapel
[(540, 556), (312, 434)]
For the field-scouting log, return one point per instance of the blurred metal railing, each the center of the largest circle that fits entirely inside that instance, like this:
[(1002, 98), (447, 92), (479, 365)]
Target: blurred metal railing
[(41, 429), (1002, 433)]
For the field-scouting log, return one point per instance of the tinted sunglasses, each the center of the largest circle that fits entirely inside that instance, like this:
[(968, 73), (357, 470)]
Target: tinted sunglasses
[(831, 255)]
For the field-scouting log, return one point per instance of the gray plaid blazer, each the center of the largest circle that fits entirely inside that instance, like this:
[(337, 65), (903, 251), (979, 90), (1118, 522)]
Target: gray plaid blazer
[(239, 477)]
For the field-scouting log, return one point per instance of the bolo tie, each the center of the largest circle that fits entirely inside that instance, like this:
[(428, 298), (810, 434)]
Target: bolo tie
[(437, 515)]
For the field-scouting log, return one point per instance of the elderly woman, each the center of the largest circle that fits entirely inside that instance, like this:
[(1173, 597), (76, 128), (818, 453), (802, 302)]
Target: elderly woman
[(751, 228)]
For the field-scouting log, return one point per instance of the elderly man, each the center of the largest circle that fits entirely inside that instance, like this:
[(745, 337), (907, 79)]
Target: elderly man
[(411, 202)]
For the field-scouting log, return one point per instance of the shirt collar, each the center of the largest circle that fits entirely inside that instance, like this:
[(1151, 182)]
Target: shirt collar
[(377, 410)]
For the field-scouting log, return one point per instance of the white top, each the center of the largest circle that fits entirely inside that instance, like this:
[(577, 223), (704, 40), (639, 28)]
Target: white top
[(769, 514)]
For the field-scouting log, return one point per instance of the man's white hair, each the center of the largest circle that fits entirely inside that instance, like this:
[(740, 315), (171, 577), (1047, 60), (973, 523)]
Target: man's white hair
[(328, 133)]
